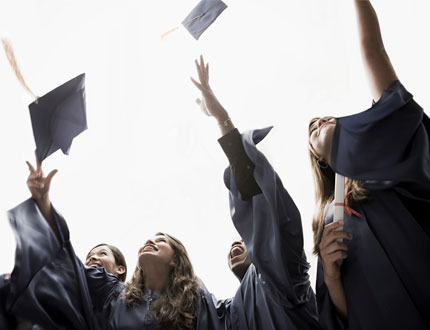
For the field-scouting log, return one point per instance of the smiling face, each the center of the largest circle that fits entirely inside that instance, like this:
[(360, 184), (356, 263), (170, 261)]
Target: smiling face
[(102, 256), (321, 136), (238, 259), (156, 249)]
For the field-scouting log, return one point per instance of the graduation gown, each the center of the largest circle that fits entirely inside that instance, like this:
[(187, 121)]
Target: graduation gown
[(386, 275), (51, 287), (6, 322), (275, 292)]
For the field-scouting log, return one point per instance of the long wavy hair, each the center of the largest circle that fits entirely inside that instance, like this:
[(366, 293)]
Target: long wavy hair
[(118, 256), (324, 190), (177, 305)]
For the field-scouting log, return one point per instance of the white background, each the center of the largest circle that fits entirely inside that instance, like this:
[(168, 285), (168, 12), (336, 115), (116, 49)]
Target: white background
[(150, 160)]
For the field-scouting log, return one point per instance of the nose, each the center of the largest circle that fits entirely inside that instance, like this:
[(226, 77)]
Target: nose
[(150, 241), (94, 257), (321, 121), (236, 242)]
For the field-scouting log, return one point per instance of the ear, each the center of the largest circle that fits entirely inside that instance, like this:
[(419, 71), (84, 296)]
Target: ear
[(172, 264), (120, 270)]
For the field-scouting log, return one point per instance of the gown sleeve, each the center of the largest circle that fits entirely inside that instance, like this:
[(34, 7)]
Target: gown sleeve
[(6, 321), (48, 285), (270, 225), (213, 314), (385, 145)]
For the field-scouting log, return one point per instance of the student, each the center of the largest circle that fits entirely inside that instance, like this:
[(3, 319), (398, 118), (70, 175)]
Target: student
[(37, 292), (377, 277), (164, 293), (102, 255), (270, 262)]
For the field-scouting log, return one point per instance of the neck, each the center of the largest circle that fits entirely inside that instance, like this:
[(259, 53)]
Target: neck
[(156, 277)]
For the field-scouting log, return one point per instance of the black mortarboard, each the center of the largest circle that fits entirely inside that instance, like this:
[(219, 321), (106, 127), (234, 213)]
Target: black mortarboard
[(58, 117), (202, 16)]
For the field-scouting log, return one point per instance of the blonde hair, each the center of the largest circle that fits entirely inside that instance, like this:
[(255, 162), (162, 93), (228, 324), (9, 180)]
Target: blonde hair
[(324, 190), (177, 305)]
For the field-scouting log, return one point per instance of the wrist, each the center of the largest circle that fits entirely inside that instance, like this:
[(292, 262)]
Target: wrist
[(333, 282), (42, 200)]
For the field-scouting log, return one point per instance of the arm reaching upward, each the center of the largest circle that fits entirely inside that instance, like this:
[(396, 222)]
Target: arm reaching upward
[(379, 69), (39, 186)]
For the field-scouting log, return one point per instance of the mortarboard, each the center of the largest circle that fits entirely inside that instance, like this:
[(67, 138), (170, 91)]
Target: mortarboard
[(57, 117), (201, 17)]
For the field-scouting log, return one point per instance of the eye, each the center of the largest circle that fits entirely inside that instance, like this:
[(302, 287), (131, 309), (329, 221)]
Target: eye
[(103, 253)]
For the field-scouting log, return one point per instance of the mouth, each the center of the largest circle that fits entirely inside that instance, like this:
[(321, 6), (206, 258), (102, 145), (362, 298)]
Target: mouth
[(148, 247), (236, 251), (94, 265)]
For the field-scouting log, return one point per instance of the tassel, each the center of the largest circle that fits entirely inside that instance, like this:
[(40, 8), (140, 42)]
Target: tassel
[(12, 61), (176, 28), (168, 32)]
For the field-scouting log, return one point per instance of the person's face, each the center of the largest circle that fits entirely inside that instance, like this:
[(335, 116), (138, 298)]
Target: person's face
[(156, 249), (102, 256), (238, 259), (321, 137)]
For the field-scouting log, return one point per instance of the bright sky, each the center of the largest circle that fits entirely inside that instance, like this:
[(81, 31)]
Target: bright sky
[(150, 160)]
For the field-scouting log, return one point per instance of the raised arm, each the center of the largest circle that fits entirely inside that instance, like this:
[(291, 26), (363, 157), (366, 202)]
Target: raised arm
[(39, 186), (231, 141), (379, 69), (262, 210)]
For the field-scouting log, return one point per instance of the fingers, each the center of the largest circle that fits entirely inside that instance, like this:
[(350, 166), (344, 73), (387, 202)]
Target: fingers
[(199, 86), (30, 167), (334, 247), (336, 256), (203, 72), (333, 228), (50, 176)]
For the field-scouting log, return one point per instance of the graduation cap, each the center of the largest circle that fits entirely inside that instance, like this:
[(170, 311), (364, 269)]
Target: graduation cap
[(57, 117), (201, 17)]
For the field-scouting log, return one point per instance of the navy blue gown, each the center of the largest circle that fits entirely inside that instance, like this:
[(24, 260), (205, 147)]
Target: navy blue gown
[(386, 275), (51, 287), (6, 322), (275, 292)]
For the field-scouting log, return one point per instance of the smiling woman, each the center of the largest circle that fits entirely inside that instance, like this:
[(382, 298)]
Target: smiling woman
[(164, 293), (108, 257)]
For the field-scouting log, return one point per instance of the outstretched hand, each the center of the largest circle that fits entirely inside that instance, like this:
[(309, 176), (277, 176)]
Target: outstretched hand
[(37, 183), (209, 103)]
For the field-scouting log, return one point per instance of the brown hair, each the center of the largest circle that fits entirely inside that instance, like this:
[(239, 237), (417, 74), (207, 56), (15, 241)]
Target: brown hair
[(176, 307), (118, 256), (324, 190)]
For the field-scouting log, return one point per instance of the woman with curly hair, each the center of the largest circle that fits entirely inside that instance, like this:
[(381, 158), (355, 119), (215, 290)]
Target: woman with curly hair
[(373, 273), (163, 293)]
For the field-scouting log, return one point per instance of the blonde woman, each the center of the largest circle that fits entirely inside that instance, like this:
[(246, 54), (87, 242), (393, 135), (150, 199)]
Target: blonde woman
[(376, 275)]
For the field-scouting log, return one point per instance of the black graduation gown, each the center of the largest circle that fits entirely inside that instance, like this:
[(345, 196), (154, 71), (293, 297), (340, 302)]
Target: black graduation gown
[(275, 292), (386, 275), (51, 287), (6, 322), (47, 285)]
